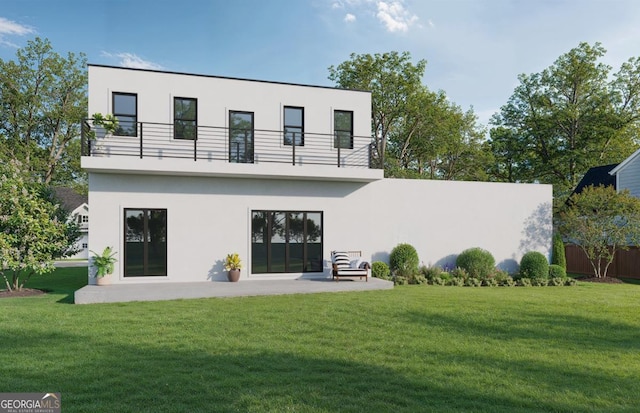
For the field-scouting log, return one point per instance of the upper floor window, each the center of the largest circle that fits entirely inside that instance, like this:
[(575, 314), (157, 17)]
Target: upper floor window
[(185, 118), (293, 125), (125, 109), (84, 219), (343, 129), (240, 136)]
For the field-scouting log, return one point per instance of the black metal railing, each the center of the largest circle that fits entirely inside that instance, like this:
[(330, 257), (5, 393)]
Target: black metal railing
[(156, 140)]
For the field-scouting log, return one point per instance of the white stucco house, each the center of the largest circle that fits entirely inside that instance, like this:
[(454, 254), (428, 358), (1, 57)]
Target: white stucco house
[(76, 204), (202, 166), (627, 174)]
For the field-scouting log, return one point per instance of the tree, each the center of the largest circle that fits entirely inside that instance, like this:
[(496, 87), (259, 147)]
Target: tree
[(392, 78), (31, 235), (568, 118), (42, 103), (601, 221), (437, 140)]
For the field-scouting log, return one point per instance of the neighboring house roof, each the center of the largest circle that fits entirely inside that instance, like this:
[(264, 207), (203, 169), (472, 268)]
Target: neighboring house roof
[(624, 163), (70, 198), (598, 175)]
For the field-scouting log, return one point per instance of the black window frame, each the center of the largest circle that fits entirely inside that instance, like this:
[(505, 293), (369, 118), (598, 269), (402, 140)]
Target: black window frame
[(286, 126), (145, 258), (120, 131), (184, 121), (308, 264), (337, 132)]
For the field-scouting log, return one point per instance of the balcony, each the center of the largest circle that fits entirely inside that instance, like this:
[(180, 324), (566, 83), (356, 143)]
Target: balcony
[(219, 151)]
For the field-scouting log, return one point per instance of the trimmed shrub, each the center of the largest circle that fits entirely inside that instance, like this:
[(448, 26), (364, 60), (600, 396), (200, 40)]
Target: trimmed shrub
[(437, 281), (404, 257), (456, 281), (501, 277), (477, 262), (509, 282), (472, 282), (556, 271), (490, 282), (570, 281), (431, 272), (540, 281), (534, 265), (557, 281), (459, 273), (380, 270), (524, 282), (558, 256)]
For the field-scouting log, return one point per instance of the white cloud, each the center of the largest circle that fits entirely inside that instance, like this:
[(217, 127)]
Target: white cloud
[(395, 17), (132, 60), (349, 18), (11, 28)]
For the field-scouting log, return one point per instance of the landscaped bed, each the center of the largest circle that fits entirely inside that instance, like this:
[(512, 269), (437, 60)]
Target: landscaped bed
[(413, 348)]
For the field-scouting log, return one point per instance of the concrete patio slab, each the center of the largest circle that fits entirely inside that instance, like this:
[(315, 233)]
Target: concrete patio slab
[(175, 291)]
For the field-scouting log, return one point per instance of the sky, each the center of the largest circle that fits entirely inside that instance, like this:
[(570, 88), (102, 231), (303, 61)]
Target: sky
[(475, 49)]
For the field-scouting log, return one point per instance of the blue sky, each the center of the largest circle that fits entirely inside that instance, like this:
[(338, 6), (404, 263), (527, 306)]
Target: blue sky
[(475, 49)]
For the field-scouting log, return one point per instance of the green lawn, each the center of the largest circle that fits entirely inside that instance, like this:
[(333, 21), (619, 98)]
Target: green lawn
[(410, 349)]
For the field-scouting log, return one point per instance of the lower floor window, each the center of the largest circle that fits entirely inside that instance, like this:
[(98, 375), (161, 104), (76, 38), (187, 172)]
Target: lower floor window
[(145, 247), (286, 241)]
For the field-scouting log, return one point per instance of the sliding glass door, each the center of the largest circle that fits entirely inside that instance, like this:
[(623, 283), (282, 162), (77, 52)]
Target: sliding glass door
[(145, 249), (286, 241)]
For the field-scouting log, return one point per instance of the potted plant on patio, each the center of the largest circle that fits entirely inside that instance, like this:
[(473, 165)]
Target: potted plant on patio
[(232, 264), (103, 265)]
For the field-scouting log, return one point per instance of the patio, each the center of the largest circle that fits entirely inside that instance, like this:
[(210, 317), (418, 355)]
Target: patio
[(91, 294)]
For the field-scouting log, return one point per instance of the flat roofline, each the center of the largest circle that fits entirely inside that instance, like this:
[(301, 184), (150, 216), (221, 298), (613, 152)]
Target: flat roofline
[(222, 77)]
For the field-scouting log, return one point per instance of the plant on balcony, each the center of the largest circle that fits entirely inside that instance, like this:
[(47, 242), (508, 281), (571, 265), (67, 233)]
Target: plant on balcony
[(233, 265), (108, 122), (104, 264)]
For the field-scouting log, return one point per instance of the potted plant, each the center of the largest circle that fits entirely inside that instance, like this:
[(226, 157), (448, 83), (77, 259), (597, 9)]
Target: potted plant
[(233, 265), (104, 265)]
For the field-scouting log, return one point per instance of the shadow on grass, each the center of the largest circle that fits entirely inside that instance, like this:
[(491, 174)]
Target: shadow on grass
[(122, 378), (567, 331)]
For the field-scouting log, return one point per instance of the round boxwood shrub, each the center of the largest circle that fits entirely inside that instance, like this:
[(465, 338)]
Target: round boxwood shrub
[(404, 259), (478, 263), (534, 265), (380, 270), (557, 271)]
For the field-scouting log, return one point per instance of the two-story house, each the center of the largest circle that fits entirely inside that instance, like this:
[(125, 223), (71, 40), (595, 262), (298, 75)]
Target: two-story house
[(202, 166)]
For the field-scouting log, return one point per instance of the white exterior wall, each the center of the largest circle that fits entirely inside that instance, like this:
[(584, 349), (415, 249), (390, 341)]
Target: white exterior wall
[(628, 177), (217, 96), (209, 217)]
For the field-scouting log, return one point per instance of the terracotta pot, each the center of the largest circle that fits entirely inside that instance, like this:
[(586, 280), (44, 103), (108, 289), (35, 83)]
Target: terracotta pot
[(106, 280), (233, 275)]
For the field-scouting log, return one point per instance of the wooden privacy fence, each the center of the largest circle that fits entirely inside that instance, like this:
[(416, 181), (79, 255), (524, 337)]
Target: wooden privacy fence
[(625, 263)]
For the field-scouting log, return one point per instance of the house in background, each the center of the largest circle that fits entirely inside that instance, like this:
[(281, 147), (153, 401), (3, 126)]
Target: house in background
[(202, 166), (76, 204), (627, 174), (597, 176)]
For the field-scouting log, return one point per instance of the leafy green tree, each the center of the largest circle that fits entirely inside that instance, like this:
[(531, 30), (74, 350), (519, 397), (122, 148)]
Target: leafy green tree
[(31, 235), (392, 78), (437, 140), (42, 102), (568, 118), (601, 221)]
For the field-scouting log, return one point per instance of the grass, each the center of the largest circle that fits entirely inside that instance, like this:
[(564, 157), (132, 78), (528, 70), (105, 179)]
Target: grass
[(413, 348)]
